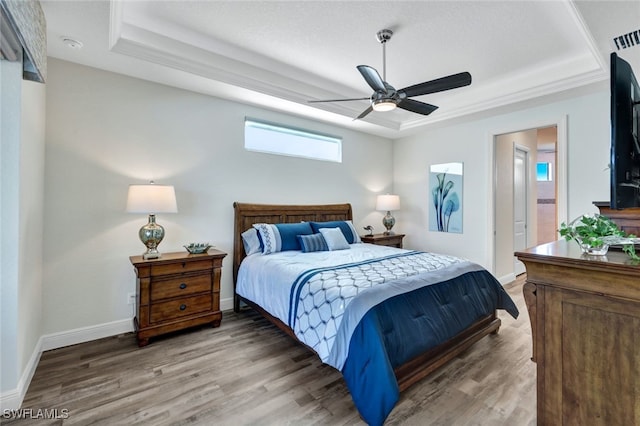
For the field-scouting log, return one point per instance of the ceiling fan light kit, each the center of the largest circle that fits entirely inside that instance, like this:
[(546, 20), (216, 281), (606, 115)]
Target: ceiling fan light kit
[(386, 98), (382, 105)]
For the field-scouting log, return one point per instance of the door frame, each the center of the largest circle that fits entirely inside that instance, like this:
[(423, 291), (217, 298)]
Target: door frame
[(561, 176)]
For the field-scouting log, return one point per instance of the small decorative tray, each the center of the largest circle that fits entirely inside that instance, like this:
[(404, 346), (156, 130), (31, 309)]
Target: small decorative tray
[(197, 248)]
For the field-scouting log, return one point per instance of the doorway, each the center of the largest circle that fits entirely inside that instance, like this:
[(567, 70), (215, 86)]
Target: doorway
[(514, 217)]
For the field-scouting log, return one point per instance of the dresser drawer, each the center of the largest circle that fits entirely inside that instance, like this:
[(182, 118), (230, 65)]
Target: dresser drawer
[(178, 308), (180, 267), (180, 286)]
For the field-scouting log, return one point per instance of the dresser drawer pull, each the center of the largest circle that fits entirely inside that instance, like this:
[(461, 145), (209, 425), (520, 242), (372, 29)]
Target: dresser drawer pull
[(183, 307), (183, 286)]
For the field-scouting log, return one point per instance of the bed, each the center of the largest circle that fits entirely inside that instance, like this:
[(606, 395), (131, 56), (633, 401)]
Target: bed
[(394, 331)]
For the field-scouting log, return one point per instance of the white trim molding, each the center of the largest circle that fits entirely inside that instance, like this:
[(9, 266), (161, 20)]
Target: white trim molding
[(12, 400), (86, 334)]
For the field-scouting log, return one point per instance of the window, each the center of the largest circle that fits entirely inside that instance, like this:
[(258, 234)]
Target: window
[(543, 172), (271, 138)]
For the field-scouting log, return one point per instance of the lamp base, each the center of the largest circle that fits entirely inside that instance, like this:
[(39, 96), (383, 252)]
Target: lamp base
[(388, 221), (150, 255), (151, 235)]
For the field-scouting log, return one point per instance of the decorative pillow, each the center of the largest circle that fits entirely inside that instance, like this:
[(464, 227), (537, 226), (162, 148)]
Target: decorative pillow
[(251, 242), (346, 226), (313, 242), (335, 238), (281, 236)]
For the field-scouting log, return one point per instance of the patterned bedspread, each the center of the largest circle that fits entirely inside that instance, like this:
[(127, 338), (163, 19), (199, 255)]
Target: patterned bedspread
[(371, 309), (320, 297)]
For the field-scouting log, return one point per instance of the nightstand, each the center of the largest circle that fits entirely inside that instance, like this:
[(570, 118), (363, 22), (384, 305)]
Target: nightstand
[(394, 240), (177, 291)]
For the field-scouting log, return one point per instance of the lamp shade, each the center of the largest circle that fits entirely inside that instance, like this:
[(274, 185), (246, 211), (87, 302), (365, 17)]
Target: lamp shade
[(388, 202), (151, 199)]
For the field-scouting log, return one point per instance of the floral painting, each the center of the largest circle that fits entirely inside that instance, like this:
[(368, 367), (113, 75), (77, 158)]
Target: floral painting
[(445, 198)]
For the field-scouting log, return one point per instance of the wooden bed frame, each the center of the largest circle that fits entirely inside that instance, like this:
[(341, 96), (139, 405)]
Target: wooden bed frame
[(407, 374)]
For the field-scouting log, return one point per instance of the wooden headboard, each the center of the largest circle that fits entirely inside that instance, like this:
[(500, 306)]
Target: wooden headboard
[(248, 214)]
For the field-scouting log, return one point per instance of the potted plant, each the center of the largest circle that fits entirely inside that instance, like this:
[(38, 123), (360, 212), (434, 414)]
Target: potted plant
[(595, 233)]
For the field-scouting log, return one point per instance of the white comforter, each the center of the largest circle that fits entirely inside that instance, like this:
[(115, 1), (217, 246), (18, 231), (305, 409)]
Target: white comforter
[(266, 279)]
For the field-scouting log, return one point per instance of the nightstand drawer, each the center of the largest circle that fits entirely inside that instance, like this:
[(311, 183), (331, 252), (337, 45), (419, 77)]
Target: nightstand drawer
[(178, 287), (180, 307), (180, 267)]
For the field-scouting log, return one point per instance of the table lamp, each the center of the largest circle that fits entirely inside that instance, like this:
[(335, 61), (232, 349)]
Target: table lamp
[(151, 199), (388, 203)]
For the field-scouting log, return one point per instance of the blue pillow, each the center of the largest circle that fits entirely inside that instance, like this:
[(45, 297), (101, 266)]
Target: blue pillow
[(313, 242), (346, 226), (281, 236)]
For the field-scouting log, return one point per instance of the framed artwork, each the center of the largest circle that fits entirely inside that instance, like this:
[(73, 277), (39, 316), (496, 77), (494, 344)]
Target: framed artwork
[(445, 197)]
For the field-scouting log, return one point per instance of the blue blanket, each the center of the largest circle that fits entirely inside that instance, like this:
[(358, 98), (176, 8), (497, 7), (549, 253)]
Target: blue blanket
[(397, 330), (406, 304)]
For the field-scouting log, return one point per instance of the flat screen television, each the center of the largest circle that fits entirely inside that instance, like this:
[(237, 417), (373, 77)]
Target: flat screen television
[(625, 135)]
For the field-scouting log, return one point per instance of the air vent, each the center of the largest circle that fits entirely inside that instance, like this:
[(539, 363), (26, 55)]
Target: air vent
[(627, 40)]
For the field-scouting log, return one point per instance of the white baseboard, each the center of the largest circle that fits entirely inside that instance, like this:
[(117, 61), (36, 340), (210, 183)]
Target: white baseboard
[(94, 332), (12, 400), (226, 304), (86, 334), (99, 331), (506, 279)]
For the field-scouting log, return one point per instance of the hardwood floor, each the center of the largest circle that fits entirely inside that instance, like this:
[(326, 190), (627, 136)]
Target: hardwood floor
[(247, 372)]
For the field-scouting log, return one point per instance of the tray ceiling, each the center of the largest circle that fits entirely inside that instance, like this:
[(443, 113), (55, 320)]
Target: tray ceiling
[(280, 54)]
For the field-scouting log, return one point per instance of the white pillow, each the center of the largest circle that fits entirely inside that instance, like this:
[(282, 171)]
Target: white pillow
[(250, 241), (335, 238)]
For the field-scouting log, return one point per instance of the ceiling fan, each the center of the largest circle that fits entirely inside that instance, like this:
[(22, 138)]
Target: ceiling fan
[(385, 97)]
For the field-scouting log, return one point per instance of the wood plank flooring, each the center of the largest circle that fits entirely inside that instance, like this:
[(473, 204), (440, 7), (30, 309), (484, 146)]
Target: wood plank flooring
[(247, 372)]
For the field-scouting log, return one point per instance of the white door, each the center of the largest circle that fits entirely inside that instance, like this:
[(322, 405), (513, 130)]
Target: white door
[(520, 204)]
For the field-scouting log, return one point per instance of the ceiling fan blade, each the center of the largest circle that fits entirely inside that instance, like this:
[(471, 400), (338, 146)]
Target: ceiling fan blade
[(438, 85), (341, 100), (417, 106), (365, 112), (372, 77)]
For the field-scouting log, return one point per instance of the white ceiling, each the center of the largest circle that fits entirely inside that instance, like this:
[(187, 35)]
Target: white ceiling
[(280, 54)]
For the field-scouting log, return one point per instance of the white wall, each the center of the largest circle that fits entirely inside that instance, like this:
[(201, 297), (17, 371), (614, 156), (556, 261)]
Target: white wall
[(106, 131), (10, 98), (470, 142), (32, 211), (21, 225)]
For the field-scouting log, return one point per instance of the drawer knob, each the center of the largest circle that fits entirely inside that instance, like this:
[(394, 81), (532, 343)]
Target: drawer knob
[(183, 286), (183, 307)]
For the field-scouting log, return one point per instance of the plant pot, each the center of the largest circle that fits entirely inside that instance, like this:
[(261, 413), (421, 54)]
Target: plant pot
[(594, 251)]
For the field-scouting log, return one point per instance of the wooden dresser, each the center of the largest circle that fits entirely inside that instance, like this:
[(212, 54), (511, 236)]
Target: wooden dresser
[(393, 240), (176, 291), (585, 319), (627, 219)]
